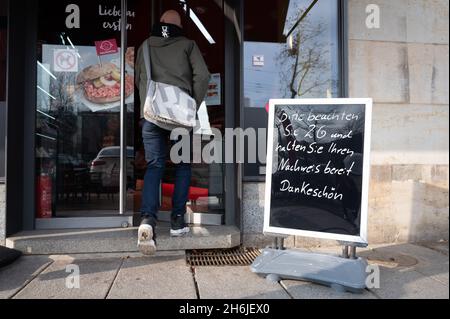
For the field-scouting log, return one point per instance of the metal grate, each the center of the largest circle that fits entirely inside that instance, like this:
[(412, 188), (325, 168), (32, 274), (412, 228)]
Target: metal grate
[(240, 256)]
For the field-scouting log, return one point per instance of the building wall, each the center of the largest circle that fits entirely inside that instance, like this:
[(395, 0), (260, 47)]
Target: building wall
[(404, 67)]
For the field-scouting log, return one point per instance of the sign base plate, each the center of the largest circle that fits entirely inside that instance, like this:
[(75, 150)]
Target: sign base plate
[(338, 273)]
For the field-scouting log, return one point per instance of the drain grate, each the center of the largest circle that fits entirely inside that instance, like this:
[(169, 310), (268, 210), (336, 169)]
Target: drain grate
[(240, 256)]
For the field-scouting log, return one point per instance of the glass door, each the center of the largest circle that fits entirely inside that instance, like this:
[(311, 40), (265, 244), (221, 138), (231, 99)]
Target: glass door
[(78, 106), (78, 109)]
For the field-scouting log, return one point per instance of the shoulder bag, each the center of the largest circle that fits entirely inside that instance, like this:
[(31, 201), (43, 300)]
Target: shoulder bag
[(165, 103)]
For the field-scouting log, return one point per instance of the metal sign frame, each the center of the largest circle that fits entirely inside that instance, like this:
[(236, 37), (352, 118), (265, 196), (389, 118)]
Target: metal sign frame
[(362, 238)]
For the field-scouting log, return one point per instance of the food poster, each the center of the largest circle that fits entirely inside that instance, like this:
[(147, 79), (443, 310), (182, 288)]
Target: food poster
[(213, 95), (87, 81)]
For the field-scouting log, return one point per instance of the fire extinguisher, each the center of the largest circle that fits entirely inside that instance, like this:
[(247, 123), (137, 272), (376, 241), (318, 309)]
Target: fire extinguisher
[(44, 196)]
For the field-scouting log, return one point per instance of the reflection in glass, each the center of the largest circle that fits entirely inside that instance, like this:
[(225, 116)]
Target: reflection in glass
[(304, 64), (78, 111)]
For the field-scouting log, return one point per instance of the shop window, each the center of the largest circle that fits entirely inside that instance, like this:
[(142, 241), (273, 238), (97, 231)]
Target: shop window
[(292, 49), (78, 108)]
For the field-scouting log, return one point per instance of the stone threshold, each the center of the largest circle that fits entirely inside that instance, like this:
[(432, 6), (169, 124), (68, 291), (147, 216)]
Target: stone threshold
[(116, 240)]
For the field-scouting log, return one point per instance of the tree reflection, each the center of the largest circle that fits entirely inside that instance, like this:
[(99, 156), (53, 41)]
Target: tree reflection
[(63, 109), (302, 63)]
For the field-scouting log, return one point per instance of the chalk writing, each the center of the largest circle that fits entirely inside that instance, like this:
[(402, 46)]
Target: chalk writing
[(317, 163)]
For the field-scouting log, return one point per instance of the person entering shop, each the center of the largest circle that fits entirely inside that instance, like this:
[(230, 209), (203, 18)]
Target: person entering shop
[(175, 60)]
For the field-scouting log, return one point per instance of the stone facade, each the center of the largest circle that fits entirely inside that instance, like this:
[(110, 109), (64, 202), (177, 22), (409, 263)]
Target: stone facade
[(404, 67)]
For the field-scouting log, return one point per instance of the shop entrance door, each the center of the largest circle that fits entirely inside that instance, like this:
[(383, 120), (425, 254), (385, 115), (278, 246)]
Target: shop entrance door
[(81, 113), (79, 116), (203, 21)]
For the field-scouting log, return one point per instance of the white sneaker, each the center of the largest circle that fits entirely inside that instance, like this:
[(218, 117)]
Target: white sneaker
[(179, 232), (146, 242)]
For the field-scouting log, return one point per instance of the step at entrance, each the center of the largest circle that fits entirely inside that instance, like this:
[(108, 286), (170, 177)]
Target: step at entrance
[(73, 241)]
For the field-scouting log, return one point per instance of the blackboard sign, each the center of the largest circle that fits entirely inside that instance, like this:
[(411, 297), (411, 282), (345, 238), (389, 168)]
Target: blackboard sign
[(317, 173)]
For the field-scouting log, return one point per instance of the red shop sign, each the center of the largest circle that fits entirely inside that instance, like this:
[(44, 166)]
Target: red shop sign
[(106, 47)]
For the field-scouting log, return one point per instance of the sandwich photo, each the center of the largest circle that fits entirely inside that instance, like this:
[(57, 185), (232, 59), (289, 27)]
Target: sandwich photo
[(129, 57), (101, 83)]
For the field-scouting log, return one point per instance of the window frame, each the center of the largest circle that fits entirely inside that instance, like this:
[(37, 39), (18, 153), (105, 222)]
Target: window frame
[(3, 99)]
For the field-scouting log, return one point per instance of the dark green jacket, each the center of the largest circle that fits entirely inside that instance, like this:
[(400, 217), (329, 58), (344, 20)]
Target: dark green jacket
[(176, 61)]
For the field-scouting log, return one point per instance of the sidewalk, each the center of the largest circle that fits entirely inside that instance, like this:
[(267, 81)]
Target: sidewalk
[(407, 271)]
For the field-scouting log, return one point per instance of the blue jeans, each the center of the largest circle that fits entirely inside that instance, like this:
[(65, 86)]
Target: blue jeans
[(155, 144)]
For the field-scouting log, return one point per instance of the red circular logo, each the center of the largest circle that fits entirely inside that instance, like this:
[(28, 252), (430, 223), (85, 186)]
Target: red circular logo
[(106, 46)]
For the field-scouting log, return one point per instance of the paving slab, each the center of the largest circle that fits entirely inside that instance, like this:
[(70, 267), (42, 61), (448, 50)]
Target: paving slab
[(430, 263), (307, 290), (154, 278), (438, 272), (425, 256), (402, 255), (433, 260), (409, 284), (406, 270), (235, 282), (18, 274), (441, 247), (96, 277)]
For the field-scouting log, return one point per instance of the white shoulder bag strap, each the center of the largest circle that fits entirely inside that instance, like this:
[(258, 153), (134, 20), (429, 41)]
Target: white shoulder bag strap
[(148, 66)]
